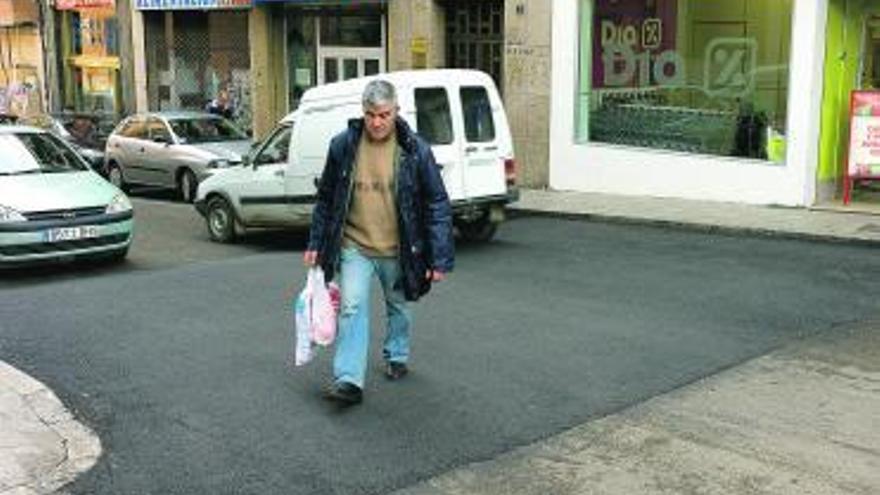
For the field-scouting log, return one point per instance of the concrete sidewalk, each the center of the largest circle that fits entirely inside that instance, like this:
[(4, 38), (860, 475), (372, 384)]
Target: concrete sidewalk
[(799, 421), (42, 447), (803, 420), (855, 223)]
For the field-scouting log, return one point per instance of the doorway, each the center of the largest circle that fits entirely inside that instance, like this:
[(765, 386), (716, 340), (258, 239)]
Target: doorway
[(343, 63), (475, 36), (350, 46)]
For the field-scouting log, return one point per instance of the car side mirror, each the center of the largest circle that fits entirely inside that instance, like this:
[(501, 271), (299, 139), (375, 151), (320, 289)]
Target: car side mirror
[(161, 140)]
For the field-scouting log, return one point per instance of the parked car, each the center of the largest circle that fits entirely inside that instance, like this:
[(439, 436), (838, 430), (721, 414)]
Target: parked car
[(174, 150), (458, 112), (81, 131), (53, 206)]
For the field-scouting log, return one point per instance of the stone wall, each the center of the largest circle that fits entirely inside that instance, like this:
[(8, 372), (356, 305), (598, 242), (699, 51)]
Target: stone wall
[(416, 35), (527, 86)]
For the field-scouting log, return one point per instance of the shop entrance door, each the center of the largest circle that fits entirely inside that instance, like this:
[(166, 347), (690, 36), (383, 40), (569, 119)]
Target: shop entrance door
[(342, 63)]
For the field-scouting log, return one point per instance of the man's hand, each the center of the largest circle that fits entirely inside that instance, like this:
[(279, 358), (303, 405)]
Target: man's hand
[(435, 275), (310, 258)]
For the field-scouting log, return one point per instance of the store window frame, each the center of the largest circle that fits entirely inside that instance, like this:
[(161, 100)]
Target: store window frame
[(583, 88)]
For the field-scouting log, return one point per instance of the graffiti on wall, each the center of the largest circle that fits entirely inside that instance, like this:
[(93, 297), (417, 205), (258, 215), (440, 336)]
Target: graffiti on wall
[(19, 98)]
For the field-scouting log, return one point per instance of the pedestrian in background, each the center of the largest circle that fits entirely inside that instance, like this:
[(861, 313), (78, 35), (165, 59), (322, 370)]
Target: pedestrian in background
[(221, 105), (382, 209)]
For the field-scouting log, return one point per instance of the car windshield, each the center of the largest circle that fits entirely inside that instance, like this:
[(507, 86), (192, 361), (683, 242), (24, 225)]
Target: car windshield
[(205, 130), (36, 153)]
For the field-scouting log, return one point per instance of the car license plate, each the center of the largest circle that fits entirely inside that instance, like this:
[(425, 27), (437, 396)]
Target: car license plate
[(70, 233)]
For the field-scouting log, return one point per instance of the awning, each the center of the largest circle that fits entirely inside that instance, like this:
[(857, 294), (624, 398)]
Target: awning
[(83, 4), (88, 61), (192, 4)]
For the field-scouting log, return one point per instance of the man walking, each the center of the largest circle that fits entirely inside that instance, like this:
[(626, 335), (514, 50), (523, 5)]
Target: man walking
[(382, 209)]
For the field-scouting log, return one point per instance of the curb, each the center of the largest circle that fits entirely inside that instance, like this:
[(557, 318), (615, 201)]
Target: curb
[(705, 228), (48, 447)]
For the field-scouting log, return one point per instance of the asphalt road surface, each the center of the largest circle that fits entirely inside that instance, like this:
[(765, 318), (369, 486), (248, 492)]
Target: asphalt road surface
[(179, 363)]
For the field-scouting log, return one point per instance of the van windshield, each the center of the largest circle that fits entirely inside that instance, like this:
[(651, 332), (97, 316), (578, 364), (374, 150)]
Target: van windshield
[(36, 153)]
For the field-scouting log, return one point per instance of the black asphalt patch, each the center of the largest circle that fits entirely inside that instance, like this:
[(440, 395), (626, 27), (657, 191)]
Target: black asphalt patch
[(182, 371)]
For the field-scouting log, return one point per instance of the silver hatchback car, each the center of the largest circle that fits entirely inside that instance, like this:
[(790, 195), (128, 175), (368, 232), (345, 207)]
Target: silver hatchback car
[(174, 150)]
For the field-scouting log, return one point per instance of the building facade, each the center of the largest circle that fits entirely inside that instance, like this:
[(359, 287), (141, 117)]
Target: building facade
[(190, 51), (852, 55), (735, 100), (698, 99), (268, 52), (86, 64), (22, 74)]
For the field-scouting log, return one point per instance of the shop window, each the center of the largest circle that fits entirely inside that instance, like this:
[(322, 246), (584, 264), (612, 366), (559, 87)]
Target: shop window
[(331, 69), (697, 76), (349, 68), (358, 31), (478, 124), (433, 120), (371, 66), (302, 53)]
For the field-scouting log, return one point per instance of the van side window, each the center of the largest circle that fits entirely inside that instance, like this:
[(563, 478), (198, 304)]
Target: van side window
[(479, 126), (277, 147), (433, 119)]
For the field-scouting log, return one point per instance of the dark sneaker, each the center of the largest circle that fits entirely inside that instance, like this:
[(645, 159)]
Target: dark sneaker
[(395, 370), (344, 393)]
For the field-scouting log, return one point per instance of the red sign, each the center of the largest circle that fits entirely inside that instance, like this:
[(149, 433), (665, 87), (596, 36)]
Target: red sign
[(83, 4), (863, 154)]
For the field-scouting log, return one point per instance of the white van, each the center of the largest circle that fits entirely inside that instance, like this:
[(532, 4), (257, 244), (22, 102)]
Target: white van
[(459, 112)]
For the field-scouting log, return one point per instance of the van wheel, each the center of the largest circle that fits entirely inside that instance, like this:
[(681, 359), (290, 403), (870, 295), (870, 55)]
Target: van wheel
[(115, 177), (186, 185), (480, 229), (221, 220)]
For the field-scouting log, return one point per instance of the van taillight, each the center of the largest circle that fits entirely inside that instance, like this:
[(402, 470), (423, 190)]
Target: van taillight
[(510, 171)]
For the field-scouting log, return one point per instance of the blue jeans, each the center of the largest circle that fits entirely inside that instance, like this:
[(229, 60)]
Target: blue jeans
[(353, 333)]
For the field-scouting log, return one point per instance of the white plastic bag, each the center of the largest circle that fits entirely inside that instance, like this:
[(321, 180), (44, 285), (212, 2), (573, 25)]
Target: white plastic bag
[(315, 316)]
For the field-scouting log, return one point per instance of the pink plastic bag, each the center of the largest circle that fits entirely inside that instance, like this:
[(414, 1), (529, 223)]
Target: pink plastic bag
[(315, 316), (323, 314)]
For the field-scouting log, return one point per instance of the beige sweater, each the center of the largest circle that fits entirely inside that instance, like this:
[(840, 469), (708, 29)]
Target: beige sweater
[(371, 225)]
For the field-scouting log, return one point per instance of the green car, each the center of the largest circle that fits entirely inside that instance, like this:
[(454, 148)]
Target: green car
[(53, 206)]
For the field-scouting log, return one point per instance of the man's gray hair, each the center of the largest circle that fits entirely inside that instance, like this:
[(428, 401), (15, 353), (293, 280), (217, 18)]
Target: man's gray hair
[(379, 92)]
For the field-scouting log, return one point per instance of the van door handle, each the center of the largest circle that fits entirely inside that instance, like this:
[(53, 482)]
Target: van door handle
[(491, 148), (279, 173), (470, 149)]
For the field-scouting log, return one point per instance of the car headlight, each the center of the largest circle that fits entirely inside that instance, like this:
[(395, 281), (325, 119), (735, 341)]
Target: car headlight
[(221, 163), (119, 204), (8, 214)]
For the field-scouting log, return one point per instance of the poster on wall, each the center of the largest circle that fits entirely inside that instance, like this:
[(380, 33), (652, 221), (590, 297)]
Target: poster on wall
[(634, 43), (863, 156)]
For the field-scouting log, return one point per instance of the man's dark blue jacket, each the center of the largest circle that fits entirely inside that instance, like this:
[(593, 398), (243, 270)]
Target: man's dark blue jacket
[(423, 210)]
